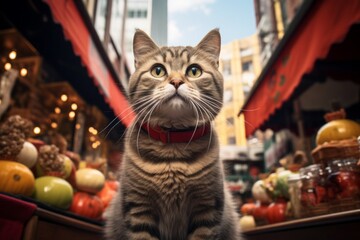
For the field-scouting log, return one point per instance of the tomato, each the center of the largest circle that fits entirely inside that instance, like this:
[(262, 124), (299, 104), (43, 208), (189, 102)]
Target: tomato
[(87, 205), (114, 185), (276, 212), (248, 208), (260, 211), (106, 194)]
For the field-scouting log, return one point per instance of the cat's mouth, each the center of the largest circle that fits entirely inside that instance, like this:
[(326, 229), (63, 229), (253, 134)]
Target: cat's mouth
[(175, 97)]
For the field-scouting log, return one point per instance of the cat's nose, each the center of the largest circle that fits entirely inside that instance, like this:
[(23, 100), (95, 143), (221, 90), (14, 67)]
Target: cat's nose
[(176, 83)]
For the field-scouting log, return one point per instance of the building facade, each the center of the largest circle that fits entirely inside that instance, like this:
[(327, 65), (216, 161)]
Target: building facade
[(115, 22), (240, 66), (272, 20)]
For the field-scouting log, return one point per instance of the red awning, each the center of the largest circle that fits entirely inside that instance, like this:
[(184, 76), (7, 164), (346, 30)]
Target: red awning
[(326, 23), (67, 15)]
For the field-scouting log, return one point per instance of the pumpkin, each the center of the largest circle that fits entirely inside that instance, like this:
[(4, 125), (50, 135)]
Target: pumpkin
[(276, 211), (89, 180), (338, 129), (16, 178), (106, 194), (87, 205)]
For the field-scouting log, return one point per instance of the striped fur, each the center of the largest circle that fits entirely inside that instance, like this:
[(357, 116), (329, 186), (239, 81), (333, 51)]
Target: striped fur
[(173, 191)]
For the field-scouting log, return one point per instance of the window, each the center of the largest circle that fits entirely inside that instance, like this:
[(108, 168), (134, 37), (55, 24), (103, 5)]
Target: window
[(245, 52), (228, 96), (226, 67), (247, 66), (231, 140), (139, 13), (230, 121)]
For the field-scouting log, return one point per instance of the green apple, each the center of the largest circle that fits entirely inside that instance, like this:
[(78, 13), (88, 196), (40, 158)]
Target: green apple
[(54, 191)]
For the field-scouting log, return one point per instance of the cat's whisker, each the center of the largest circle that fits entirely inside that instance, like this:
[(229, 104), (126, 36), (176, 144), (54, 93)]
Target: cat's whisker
[(196, 125), (142, 122)]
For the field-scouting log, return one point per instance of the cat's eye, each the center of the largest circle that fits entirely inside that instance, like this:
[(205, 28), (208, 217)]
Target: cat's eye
[(158, 71), (194, 71)]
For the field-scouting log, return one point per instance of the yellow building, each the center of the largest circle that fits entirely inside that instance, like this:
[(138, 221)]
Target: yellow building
[(240, 66)]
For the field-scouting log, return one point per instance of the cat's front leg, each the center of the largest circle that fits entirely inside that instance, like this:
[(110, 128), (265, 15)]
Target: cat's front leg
[(141, 220), (203, 233)]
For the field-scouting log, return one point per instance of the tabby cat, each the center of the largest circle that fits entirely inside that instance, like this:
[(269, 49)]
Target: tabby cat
[(171, 181)]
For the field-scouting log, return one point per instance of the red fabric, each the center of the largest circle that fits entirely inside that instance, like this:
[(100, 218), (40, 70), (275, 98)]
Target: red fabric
[(167, 136), (327, 23), (66, 13), (14, 214)]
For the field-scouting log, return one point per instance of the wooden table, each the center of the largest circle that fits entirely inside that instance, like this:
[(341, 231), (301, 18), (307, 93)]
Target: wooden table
[(47, 225), (336, 226)]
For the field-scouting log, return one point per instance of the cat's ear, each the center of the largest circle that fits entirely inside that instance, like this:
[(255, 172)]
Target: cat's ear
[(142, 45), (211, 44)]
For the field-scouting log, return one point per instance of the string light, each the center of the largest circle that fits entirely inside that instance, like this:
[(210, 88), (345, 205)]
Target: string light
[(74, 106), (64, 97), (54, 125), (12, 55), (71, 114), (57, 110), (23, 72), (77, 126), (7, 66), (37, 130)]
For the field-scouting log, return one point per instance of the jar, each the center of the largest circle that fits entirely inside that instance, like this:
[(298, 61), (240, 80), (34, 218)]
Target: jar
[(313, 190), (294, 183), (344, 184)]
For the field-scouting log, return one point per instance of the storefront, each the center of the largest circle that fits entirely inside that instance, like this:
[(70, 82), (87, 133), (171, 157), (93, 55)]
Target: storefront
[(314, 67), (60, 87)]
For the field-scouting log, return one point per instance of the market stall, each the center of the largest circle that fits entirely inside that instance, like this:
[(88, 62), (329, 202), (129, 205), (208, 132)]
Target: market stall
[(63, 113), (309, 92)]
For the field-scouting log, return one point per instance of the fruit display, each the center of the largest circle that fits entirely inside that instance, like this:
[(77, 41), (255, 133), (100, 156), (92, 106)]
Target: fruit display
[(50, 174)]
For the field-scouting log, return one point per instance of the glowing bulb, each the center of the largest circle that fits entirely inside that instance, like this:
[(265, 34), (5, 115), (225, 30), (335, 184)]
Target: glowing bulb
[(92, 138), (57, 110), (77, 126), (71, 114), (37, 130), (12, 55), (95, 132), (64, 97), (74, 106), (91, 129), (23, 72), (94, 145), (54, 125), (7, 66)]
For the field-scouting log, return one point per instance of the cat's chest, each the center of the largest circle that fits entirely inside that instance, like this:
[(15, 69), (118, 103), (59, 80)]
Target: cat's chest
[(173, 184)]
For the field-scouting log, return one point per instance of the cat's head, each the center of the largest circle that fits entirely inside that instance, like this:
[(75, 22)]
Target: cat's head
[(176, 86)]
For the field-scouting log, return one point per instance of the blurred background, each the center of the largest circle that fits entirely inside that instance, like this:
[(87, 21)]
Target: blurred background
[(290, 69)]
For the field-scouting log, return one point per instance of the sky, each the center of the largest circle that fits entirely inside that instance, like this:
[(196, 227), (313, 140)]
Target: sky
[(190, 20)]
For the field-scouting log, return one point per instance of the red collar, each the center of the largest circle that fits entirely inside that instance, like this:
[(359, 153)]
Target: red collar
[(178, 136)]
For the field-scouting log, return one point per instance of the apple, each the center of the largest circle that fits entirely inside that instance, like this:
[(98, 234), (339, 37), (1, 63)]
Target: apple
[(54, 191)]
